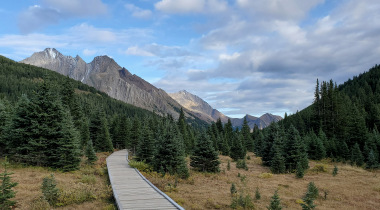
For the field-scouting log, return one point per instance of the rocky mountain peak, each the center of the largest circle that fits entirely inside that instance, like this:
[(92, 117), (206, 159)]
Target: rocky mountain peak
[(106, 75)]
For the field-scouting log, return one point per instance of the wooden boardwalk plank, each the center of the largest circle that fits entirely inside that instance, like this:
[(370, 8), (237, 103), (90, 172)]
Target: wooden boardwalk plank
[(131, 190)]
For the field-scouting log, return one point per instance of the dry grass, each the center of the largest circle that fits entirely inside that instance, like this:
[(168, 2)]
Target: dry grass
[(91, 181), (352, 188)]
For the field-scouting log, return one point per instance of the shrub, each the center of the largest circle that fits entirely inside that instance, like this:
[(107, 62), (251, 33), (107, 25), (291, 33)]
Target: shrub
[(141, 166), (266, 175), (228, 165), (88, 179), (320, 168)]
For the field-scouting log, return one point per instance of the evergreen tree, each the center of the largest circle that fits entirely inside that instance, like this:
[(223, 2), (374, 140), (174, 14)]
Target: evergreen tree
[(372, 161), (275, 202), (66, 155), (6, 192), (104, 139), (300, 171), (335, 171), (237, 149), (49, 190), (294, 149), (356, 155), (170, 154), (135, 133), (90, 153), (5, 117), (225, 149), (272, 135), (145, 147), (85, 135), (204, 157), (310, 196), (257, 194), (247, 137), (233, 189), (278, 162)]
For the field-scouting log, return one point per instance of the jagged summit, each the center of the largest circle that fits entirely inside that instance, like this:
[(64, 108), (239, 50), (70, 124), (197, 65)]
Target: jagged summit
[(106, 75), (206, 112)]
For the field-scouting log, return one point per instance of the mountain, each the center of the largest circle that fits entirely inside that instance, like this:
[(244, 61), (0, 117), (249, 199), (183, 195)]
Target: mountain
[(106, 75), (204, 111), (198, 106)]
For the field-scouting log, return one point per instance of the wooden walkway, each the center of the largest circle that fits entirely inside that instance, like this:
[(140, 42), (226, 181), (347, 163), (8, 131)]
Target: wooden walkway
[(130, 188)]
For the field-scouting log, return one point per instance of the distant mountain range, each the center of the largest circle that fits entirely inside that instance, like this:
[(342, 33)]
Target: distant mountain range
[(204, 111), (106, 75)]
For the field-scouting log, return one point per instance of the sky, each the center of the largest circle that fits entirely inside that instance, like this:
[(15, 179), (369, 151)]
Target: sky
[(240, 56)]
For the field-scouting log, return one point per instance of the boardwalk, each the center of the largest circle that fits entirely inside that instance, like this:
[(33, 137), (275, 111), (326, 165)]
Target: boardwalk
[(131, 189)]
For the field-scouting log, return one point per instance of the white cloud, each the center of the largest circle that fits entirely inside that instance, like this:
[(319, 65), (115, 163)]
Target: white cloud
[(193, 6), (92, 34), (278, 9), (87, 52), (78, 8), (52, 11), (138, 12), (180, 6), (137, 51)]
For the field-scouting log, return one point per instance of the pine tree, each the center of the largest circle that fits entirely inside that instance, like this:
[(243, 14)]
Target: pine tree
[(5, 118), (357, 156), (278, 162), (237, 149), (372, 161), (335, 171), (66, 155), (6, 192), (275, 202), (49, 190), (294, 150), (257, 194), (247, 137), (104, 139), (300, 171), (145, 147), (233, 189), (225, 148), (310, 196), (85, 135), (170, 154), (204, 157), (90, 152), (135, 133)]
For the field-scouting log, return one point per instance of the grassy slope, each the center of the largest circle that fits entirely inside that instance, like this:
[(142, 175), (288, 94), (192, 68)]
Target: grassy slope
[(352, 188), (89, 180)]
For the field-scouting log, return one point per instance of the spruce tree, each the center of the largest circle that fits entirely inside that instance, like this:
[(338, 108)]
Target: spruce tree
[(310, 196), (257, 194), (135, 133), (104, 139), (170, 154), (5, 116), (357, 156), (225, 148), (204, 157), (247, 137), (275, 202), (300, 171), (237, 149), (278, 162), (233, 189), (6, 192), (90, 152), (85, 135), (335, 171), (293, 149), (372, 161), (145, 147)]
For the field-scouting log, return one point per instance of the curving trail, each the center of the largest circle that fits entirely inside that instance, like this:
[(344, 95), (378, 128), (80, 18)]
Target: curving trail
[(130, 188)]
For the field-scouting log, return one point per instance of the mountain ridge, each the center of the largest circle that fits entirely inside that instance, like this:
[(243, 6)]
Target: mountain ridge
[(205, 111), (106, 75)]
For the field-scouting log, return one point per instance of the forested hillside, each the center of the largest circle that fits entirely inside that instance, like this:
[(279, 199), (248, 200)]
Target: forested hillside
[(342, 124), (47, 119)]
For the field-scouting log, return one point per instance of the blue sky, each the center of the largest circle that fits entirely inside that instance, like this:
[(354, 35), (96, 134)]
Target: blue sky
[(241, 56)]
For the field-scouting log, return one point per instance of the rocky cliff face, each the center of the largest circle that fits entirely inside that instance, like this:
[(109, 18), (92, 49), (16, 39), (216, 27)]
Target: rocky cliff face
[(207, 113), (197, 105), (106, 75)]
